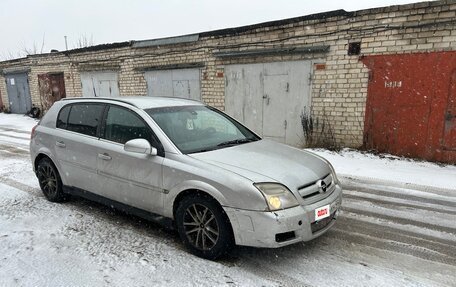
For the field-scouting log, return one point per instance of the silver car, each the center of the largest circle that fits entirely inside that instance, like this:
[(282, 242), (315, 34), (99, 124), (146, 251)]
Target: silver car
[(188, 166)]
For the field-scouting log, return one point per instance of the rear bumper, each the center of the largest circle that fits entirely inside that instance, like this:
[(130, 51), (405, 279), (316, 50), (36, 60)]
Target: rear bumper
[(284, 227)]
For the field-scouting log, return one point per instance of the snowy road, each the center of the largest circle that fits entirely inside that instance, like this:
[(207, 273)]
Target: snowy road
[(387, 235)]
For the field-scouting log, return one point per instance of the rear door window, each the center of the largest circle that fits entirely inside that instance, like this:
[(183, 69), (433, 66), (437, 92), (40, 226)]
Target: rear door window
[(123, 125), (85, 118), (62, 119)]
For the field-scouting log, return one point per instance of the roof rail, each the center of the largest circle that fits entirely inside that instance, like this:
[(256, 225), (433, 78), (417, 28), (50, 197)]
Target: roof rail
[(100, 98)]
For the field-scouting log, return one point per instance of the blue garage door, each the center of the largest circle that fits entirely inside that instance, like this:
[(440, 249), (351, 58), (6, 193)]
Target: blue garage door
[(18, 90)]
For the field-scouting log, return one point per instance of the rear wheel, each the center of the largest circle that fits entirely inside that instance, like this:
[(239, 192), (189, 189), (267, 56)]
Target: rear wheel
[(50, 182), (204, 226)]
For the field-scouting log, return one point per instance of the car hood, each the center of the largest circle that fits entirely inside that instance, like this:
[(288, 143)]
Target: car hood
[(268, 161)]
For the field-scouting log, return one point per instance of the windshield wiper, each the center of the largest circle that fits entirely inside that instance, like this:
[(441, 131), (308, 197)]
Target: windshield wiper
[(236, 142), (224, 144)]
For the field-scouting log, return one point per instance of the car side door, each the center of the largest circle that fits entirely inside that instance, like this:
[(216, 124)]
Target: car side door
[(131, 178), (76, 143)]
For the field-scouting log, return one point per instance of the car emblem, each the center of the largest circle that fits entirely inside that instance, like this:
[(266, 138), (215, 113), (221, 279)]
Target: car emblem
[(322, 186)]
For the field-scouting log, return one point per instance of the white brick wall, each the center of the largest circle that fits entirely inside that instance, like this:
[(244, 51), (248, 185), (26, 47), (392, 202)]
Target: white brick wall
[(338, 92)]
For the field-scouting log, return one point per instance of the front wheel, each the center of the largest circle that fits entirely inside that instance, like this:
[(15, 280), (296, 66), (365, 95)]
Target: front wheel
[(50, 182), (204, 226)]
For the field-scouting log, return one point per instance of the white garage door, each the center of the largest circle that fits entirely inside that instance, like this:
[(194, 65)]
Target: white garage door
[(100, 84), (179, 83), (269, 98)]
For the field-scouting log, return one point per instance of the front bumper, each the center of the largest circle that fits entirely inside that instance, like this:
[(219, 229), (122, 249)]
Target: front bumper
[(283, 227)]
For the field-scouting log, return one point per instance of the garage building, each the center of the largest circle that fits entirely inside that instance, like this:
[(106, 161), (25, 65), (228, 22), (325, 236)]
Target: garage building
[(365, 77)]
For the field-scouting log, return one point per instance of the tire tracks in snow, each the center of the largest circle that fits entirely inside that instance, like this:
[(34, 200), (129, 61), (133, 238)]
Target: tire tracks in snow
[(384, 201), (430, 198), (385, 219), (21, 186), (371, 184), (13, 144), (11, 138), (10, 150), (3, 128), (255, 266), (404, 221), (385, 238), (399, 247)]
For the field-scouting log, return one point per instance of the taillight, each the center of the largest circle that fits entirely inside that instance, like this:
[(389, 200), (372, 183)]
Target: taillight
[(32, 135)]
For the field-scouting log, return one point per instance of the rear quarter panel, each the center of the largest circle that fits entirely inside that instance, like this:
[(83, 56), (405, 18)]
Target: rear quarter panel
[(44, 140)]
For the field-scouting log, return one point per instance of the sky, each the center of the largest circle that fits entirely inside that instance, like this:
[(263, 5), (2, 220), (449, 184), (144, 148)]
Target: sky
[(41, 25)]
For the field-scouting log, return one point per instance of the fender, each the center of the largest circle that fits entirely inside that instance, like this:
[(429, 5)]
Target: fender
[(48, 153), (188, 185)]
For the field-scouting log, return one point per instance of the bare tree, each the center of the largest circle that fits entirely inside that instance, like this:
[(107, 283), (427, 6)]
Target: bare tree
[(9, 55), (38, 48), (35, 49), (24, 50), (84, 41)]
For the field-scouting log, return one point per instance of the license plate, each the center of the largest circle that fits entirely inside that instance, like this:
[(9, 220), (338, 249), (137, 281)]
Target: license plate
[(322, 212)]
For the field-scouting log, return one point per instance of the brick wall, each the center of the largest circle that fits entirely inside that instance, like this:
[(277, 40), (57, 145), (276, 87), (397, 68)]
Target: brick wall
[(3, 92), (338, 91)]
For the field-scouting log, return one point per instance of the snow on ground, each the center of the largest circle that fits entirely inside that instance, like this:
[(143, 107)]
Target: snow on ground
[(20, 122), (397, 228), (389, 169), (15, 131), (45, 244)]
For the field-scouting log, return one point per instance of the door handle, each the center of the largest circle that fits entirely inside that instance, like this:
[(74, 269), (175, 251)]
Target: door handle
[(60, 144), (104, 156)]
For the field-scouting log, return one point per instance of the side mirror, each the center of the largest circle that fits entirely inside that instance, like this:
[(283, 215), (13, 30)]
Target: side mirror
[(140, 146)]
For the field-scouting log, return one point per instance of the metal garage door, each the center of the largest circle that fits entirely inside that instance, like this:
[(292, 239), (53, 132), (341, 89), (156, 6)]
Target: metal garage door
[(18, 90), (100, 84), (52, 89), (269, 98), (411, 105), (179, 83)]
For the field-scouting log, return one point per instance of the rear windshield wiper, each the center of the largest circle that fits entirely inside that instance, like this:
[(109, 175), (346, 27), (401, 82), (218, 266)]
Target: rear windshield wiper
[(236, 142)]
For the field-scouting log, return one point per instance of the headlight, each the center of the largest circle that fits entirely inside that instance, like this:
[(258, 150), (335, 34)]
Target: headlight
[(277, 196)]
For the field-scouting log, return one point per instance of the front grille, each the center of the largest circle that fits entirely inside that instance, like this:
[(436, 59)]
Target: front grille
[(312, 193), (319, 225)]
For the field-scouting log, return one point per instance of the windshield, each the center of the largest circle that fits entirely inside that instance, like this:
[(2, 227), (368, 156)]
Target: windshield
[(200, 128)]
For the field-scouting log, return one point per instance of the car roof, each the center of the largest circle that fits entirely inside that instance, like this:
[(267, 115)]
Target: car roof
[(142, 102)]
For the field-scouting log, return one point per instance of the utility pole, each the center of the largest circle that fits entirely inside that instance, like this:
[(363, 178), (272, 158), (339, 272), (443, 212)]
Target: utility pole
[(66, 43)]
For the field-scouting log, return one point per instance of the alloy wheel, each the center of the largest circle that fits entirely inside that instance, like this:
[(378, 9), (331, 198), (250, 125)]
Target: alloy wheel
[(48, 180), (200, 226)]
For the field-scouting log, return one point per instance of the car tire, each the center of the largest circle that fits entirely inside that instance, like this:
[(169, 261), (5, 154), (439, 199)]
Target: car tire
[(204, 226), (50, 182)]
